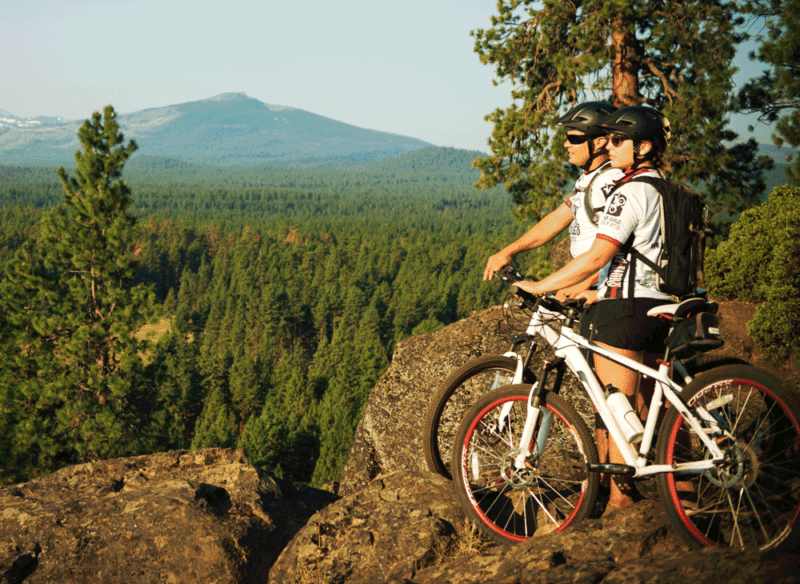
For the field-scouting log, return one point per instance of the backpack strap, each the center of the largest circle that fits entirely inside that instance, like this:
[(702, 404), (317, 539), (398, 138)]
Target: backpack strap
[(591, 210), (634, 254)]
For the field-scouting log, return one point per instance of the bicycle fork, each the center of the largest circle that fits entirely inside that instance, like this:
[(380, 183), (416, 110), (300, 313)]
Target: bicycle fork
[(534, 408)]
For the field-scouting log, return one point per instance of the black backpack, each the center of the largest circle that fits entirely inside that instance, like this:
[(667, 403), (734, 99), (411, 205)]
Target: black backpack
[(683, 229)]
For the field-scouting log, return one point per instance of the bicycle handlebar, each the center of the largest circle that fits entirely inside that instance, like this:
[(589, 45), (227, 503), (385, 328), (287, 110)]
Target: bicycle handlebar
[(511, 275), (549, 302)]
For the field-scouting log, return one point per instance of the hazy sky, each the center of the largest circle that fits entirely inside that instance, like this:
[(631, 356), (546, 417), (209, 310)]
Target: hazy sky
[(403, 67)]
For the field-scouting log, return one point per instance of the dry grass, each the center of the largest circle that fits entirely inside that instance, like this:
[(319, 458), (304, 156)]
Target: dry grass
[(152, 333), (469, 541)]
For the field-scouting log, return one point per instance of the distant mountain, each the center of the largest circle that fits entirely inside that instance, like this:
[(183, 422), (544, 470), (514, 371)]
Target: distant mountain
[(9, 120), (231, 129)]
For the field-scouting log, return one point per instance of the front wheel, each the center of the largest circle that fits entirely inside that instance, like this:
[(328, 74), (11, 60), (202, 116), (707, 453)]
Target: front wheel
[(751, 500), (551, 492)]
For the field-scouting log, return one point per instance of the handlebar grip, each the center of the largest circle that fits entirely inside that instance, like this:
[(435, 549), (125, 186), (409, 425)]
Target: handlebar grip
[(517, 291), (574, 302), (509, 274)]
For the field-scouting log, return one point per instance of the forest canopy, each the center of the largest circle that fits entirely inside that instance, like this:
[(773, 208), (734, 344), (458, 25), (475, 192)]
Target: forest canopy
[(279, 295)]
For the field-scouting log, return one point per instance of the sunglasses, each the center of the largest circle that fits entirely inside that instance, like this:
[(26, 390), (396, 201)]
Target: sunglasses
[(578, 138), (618, 140)]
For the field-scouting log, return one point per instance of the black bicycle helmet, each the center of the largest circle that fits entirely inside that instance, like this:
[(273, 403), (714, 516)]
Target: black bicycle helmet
[(584, 117), (639, 122)]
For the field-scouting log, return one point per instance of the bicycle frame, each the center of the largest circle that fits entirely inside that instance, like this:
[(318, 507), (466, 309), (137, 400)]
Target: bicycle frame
[(567, 345)]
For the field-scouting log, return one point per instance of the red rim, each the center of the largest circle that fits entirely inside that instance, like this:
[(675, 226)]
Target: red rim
[(464, 472), (673, 492)]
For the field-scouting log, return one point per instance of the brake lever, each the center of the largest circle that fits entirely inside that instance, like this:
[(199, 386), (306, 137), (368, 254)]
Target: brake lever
[(509, 274)]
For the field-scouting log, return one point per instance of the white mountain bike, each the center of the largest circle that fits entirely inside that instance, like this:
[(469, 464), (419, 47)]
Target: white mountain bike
[(726, 456), (485, 373)]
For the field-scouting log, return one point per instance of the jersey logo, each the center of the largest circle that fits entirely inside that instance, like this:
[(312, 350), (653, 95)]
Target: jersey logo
[(615, 206)]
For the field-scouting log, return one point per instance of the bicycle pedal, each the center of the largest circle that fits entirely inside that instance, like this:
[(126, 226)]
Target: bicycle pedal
[(609, 468)]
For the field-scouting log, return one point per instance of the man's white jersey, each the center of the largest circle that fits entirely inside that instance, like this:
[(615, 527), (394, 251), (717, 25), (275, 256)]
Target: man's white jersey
[(582, 230), (632, 218)]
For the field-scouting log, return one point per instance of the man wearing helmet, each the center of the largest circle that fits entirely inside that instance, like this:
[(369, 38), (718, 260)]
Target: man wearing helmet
[(586, 148), (638, 136)]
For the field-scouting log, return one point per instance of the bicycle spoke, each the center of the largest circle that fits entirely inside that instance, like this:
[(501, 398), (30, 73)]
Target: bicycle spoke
[(754, 507), (751, 498)]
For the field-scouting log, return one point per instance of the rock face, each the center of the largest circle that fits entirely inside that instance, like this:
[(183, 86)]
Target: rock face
[(625, 547), (400, 523), (203, 516)]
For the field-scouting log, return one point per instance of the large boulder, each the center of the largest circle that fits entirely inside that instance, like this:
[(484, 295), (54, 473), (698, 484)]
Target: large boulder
[(399, 523), (204, 516), (634, 545), (406, 528)]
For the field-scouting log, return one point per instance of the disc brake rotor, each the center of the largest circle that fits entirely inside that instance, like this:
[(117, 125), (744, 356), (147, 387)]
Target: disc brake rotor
[(739, 470), (514, 477)]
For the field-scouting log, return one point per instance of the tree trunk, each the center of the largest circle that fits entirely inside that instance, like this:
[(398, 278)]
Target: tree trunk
[(625, 66)]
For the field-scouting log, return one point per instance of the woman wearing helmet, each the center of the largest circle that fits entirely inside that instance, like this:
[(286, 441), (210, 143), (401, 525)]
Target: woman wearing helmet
[(586, 148), (638, 136)]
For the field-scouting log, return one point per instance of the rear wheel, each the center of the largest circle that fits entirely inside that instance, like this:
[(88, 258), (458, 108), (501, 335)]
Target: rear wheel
[(553, 491), (453, 398), (752, 499)]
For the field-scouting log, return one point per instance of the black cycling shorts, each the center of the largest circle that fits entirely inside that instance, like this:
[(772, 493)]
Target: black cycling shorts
[(619, 325)]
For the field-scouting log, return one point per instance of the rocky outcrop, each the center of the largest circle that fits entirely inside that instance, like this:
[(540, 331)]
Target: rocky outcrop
[(406, 528), (204, 516), (624, 547), (399, 524)]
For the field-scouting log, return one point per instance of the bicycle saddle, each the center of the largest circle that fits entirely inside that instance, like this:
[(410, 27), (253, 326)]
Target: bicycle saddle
[(681, 309)]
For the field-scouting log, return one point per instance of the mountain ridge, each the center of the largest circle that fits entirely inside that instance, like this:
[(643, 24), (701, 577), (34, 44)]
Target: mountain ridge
[(230, 129)]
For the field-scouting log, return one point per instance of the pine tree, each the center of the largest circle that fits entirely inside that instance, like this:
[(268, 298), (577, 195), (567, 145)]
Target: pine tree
[(179, 391), (216, 426), (776, 94), (72, 375), (664, 53)]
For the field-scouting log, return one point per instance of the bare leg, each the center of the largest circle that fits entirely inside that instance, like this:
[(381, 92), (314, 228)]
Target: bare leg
[(627, 382)]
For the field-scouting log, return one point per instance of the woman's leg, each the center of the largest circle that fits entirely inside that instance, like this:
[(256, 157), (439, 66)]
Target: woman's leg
[(627, 382)]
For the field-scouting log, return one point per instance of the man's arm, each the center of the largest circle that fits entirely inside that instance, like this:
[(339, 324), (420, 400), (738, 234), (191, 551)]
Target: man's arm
[(553, 223), (582, 267)]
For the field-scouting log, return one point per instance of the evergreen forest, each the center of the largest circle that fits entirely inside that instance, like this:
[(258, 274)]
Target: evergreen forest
[(269, 303)]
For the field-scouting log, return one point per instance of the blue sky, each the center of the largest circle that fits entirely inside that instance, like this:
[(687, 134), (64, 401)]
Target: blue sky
[(403, 67)]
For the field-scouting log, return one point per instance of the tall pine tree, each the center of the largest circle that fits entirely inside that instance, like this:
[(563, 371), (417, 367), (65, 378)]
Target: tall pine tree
[(72, 382)]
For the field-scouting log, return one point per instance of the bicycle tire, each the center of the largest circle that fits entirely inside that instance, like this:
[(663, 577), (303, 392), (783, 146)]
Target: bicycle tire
[(554, 492), (753, 500), (454, 396)]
